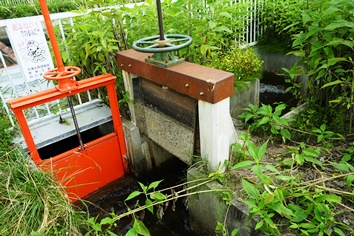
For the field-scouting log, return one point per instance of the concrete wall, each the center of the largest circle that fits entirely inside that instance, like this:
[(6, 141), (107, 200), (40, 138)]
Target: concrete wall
[(274, 62), (243, 96), (206, 209)]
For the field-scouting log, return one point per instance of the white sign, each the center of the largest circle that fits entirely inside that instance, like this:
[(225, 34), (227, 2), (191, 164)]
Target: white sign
[(30, 46)]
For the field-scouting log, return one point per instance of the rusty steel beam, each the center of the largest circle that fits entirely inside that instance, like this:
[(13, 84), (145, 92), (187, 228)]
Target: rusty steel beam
[(199, 82)]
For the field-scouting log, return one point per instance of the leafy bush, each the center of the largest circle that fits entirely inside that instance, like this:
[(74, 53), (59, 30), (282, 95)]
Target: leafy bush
[(326, 47), (244, 63), (280, 21)]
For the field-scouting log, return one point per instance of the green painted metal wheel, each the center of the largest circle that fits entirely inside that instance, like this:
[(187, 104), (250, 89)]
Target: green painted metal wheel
[(154, 44)]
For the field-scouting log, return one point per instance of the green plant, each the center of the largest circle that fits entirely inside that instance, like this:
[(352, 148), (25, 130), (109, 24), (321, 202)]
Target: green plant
[(244, 63), (265, 119), (279, 195), (97, 228), (280, 22), (213, 25), (325, 47), (155, 201), (32, 202), (6, 133)]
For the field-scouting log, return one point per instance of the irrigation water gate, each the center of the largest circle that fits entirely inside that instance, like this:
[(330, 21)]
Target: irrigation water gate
[(92, 148)]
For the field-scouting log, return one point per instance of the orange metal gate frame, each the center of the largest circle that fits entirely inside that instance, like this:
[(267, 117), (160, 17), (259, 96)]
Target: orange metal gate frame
[(80, 171), (84, 169)]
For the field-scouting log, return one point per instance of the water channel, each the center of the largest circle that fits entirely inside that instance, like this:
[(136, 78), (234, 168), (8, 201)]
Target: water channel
[(111, 198)]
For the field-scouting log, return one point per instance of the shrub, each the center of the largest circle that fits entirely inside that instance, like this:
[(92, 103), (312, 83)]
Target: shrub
[(243, 62)]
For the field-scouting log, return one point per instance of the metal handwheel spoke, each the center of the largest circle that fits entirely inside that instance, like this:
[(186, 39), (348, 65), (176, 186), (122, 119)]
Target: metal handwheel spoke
[(163, 46), (178, 40), (152, 46)]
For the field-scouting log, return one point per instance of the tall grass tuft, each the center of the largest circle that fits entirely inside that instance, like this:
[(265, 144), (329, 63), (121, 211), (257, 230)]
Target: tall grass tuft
[(32, 202)]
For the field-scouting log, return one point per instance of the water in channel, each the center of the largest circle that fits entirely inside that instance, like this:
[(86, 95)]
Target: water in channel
[(175, 220)]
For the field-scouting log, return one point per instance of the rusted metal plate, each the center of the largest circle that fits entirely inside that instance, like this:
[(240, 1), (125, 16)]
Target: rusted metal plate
[(200, 82), (176, 105)]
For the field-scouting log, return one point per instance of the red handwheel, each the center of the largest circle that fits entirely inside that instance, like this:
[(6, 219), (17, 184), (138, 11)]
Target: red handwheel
[(66, 83)]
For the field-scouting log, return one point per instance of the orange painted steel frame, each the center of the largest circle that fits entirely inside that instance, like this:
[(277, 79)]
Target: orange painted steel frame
[(80, 171)]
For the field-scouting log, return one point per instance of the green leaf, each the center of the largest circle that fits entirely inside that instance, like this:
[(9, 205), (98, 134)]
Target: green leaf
[(339, 24), (268, 198), (264, 120), (350, 179), (272, 168), (226, 14), (158, 196), (299, 213), (307, 226), (111, 233), (259, 225), (332, 83), (346, 157), (284, 177), (262, 150), (288, 161), (257, 170), (153, 185), (243, 164), (140, 228), (223, 29), (143, 187), (131, 232), (107, 220), (133, 195), (340, 166), (148, 203), (311, 152), (234, 232), (251, 203), (204, 48), (331, 198), (313, 160), (298, 53), (285, 133), (333, 61), (253, 150), (299, 39), (250, 189), (281, 209), (212, 24), (220, 227), (338, 231)]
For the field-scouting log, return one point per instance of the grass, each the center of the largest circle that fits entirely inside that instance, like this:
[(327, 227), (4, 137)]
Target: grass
[(32, 202)]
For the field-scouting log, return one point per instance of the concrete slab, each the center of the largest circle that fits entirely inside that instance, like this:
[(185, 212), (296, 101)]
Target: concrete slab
[(175, 137)]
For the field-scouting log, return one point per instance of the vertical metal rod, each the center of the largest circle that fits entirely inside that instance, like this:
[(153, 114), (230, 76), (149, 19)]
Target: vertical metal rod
[(159, 15), (75, 122), (52, 37)]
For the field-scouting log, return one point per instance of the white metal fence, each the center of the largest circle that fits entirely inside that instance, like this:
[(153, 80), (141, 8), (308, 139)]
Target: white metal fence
[(29, 2), (10, 71)]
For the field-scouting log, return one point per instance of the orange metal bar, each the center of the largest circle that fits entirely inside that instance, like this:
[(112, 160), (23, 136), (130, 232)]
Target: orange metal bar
[(118, 127), (49, 95), (26, 132), (52, 37)]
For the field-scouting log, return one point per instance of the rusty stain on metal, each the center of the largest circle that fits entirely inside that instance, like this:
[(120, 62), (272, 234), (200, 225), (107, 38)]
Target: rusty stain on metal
[(214, 85)]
